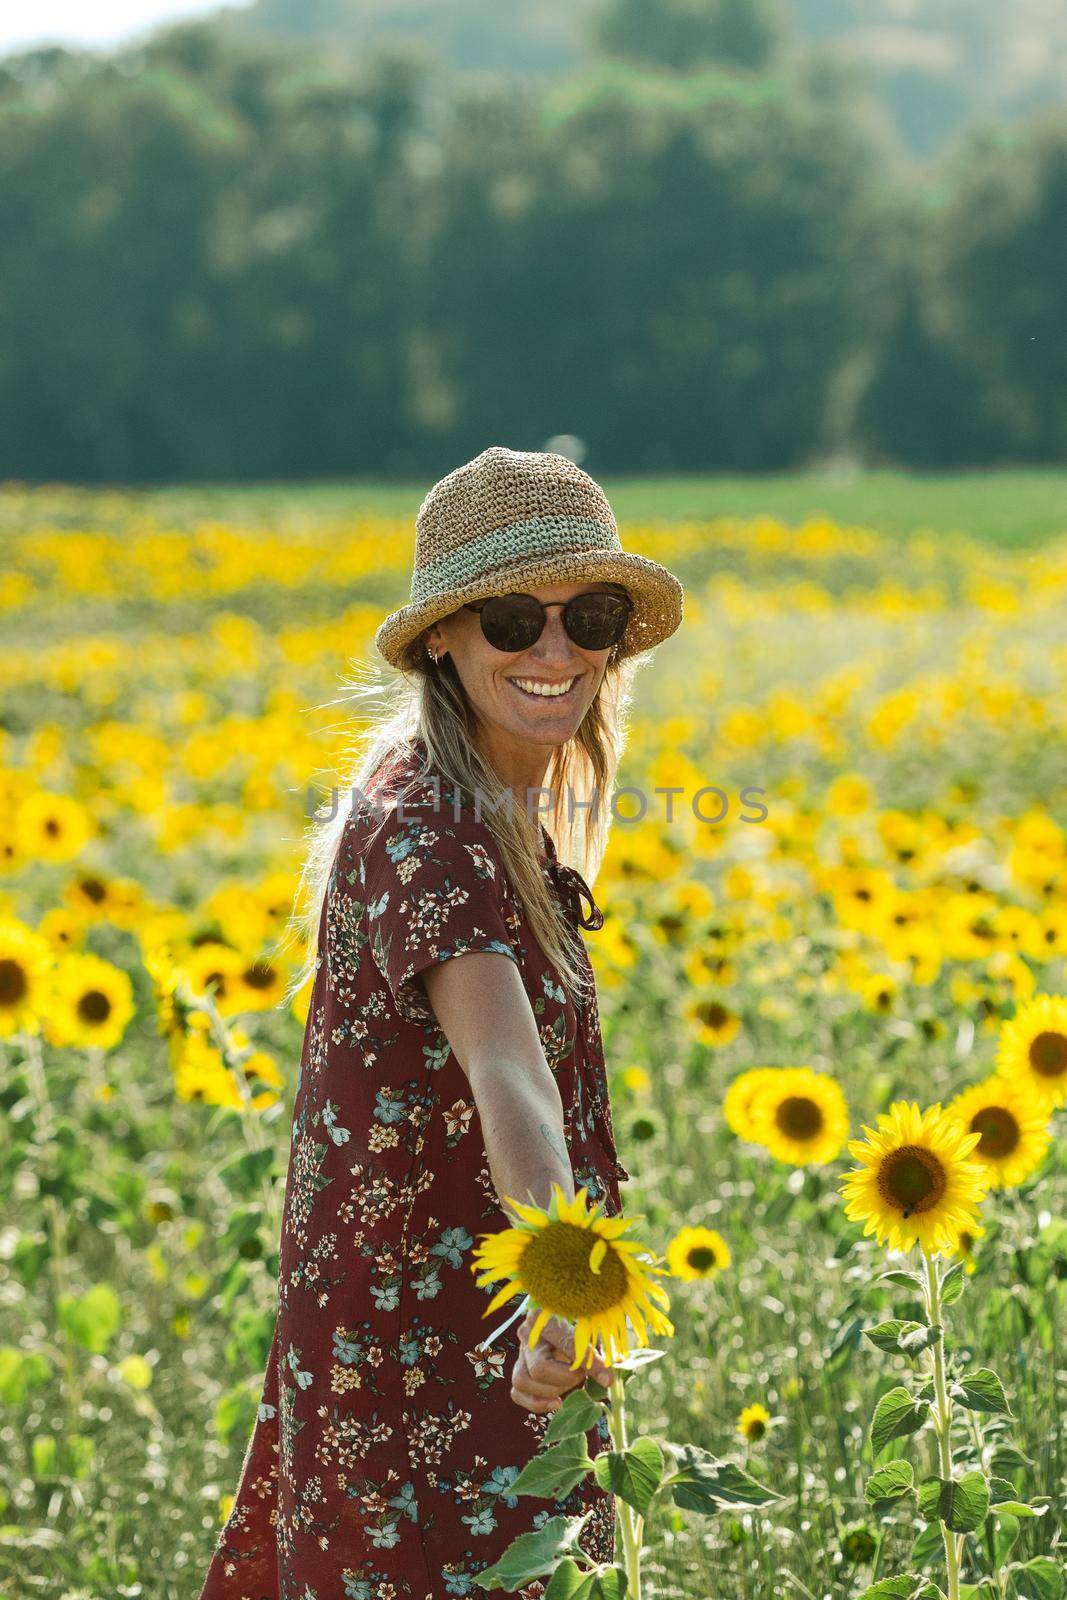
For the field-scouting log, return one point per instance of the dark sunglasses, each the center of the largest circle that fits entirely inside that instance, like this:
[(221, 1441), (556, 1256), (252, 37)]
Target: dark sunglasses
[(593, 621)]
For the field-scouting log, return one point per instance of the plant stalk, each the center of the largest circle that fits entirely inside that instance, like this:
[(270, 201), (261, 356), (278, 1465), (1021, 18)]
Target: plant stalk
[(630, 1523), (943, 1416)]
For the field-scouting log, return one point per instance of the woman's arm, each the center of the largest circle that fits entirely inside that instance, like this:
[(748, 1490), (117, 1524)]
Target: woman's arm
[(486, 1016)]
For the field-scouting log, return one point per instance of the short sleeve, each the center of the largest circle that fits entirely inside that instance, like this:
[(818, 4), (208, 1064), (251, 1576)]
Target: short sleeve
[(433, 889)]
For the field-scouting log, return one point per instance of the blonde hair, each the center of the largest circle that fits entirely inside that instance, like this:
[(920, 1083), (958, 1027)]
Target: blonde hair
[(428, 701)]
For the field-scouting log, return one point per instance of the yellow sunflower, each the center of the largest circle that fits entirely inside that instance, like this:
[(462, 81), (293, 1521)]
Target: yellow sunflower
[(741, 1100), (697, 1253), (51, 827), (1013, 1129), (574, 1263), (917, 1181), (754, 1422), (966, 1240), (92, 1002), (801, 1116), (25, 961), (713, 1022), (260, 985), (1032, 1048)]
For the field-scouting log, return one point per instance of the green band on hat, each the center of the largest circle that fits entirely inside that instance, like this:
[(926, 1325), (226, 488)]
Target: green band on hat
[(516, 541)]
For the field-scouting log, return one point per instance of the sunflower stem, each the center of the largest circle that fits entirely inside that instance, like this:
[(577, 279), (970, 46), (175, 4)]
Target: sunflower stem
[(631, 1525), (943, 1412)]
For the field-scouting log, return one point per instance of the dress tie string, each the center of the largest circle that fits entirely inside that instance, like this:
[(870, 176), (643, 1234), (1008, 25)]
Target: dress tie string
[(573, 890)]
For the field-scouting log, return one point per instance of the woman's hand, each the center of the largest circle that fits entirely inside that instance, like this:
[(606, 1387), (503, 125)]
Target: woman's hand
[(542, 1376)]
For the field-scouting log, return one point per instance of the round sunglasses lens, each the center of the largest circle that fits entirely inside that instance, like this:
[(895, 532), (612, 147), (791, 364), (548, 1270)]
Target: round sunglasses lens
[(512, 621), (597, 621)]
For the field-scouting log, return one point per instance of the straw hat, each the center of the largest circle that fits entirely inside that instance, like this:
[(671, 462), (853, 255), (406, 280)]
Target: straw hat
[(512, 520)]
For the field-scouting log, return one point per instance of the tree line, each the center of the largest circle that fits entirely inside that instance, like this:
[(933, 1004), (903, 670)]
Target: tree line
[(224, 259)]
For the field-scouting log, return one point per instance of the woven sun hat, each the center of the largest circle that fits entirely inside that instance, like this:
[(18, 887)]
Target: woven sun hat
[(513, 519)]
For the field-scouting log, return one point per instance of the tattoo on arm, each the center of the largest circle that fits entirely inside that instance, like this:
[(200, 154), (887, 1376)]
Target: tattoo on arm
[(554, 1142)]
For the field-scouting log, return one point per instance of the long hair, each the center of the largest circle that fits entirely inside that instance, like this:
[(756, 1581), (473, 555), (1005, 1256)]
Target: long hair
[(428, 701)]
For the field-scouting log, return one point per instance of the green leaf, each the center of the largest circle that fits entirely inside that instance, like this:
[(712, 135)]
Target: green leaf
[(571, 1582), (578, 1413), (634, 1474), (1004, 1497), (886, 1335), (555, 1471), (908, 1586), (929, 1548), (889, 1482), (1039, 1579), (982, 1390), (952, 1284), (700, 1482), (1006, 1530), (920, 1338), (93, 1318), (896, 1414), (1007, 1459), (903, 1280), (533, 1555), (960, 1503)]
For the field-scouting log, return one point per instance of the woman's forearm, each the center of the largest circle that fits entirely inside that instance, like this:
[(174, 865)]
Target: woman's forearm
[(522, 1126)]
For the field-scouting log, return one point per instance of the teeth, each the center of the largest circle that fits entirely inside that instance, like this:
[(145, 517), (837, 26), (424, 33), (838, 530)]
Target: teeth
[(546, 690)]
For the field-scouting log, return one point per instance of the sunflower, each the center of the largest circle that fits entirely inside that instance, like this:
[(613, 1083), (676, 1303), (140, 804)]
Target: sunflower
[(1032, 1049), (214, 968), (741, 1101), (966, 1240), (697, 1253), (51, 827), (575, 1264), (259, 986), (916, 1181), (754, 1422), (25, 960), (91, 1004), (1013, 1131), (801, 1116), (713, 1022)]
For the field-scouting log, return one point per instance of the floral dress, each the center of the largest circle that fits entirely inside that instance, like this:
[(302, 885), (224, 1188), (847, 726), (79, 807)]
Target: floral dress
[(381, 1463)]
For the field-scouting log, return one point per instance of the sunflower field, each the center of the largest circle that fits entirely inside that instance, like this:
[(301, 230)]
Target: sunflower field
[(832, 992)]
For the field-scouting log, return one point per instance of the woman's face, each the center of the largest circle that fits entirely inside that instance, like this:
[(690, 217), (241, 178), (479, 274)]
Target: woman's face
[(500, 684)]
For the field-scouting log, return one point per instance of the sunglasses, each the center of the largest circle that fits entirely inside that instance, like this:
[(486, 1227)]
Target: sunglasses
[(593, 621)]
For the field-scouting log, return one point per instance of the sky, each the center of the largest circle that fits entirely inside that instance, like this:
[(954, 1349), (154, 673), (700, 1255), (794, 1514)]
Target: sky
[(101, 23)]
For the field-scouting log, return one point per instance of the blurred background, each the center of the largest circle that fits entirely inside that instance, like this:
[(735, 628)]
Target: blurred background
[(329, 238)]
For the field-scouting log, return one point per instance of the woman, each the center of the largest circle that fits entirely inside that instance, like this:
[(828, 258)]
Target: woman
[(431, 1087)]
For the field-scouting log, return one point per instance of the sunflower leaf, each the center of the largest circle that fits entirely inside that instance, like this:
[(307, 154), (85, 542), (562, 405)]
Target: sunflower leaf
[(700, 1482), (1039, 1579), (908, 1586), (889, 1482), (887, 1335), (554, 1472), (571, 1582), (952, 1285), (896, 1414), (634, 1474), (903, 1280), (960, 1503), (982, 1390), (533, 1555), (578, 1413), (917, 1339)]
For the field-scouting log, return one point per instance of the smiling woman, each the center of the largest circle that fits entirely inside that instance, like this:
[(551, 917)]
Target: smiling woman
[(452, 1057)]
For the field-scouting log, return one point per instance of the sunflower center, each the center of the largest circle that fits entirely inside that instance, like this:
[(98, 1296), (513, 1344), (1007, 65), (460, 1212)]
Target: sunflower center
[(52, 827), (912, 1179), (1048, 1055), (557, 1275), (702, 1258), (712, 1014), (94, 1006), (93, 890), (259, 975), (999, 1131), (13, 984), (798, 1117)]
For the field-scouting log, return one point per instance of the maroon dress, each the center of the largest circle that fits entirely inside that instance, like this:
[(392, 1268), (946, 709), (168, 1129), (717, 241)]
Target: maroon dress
[(386, 1443)]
